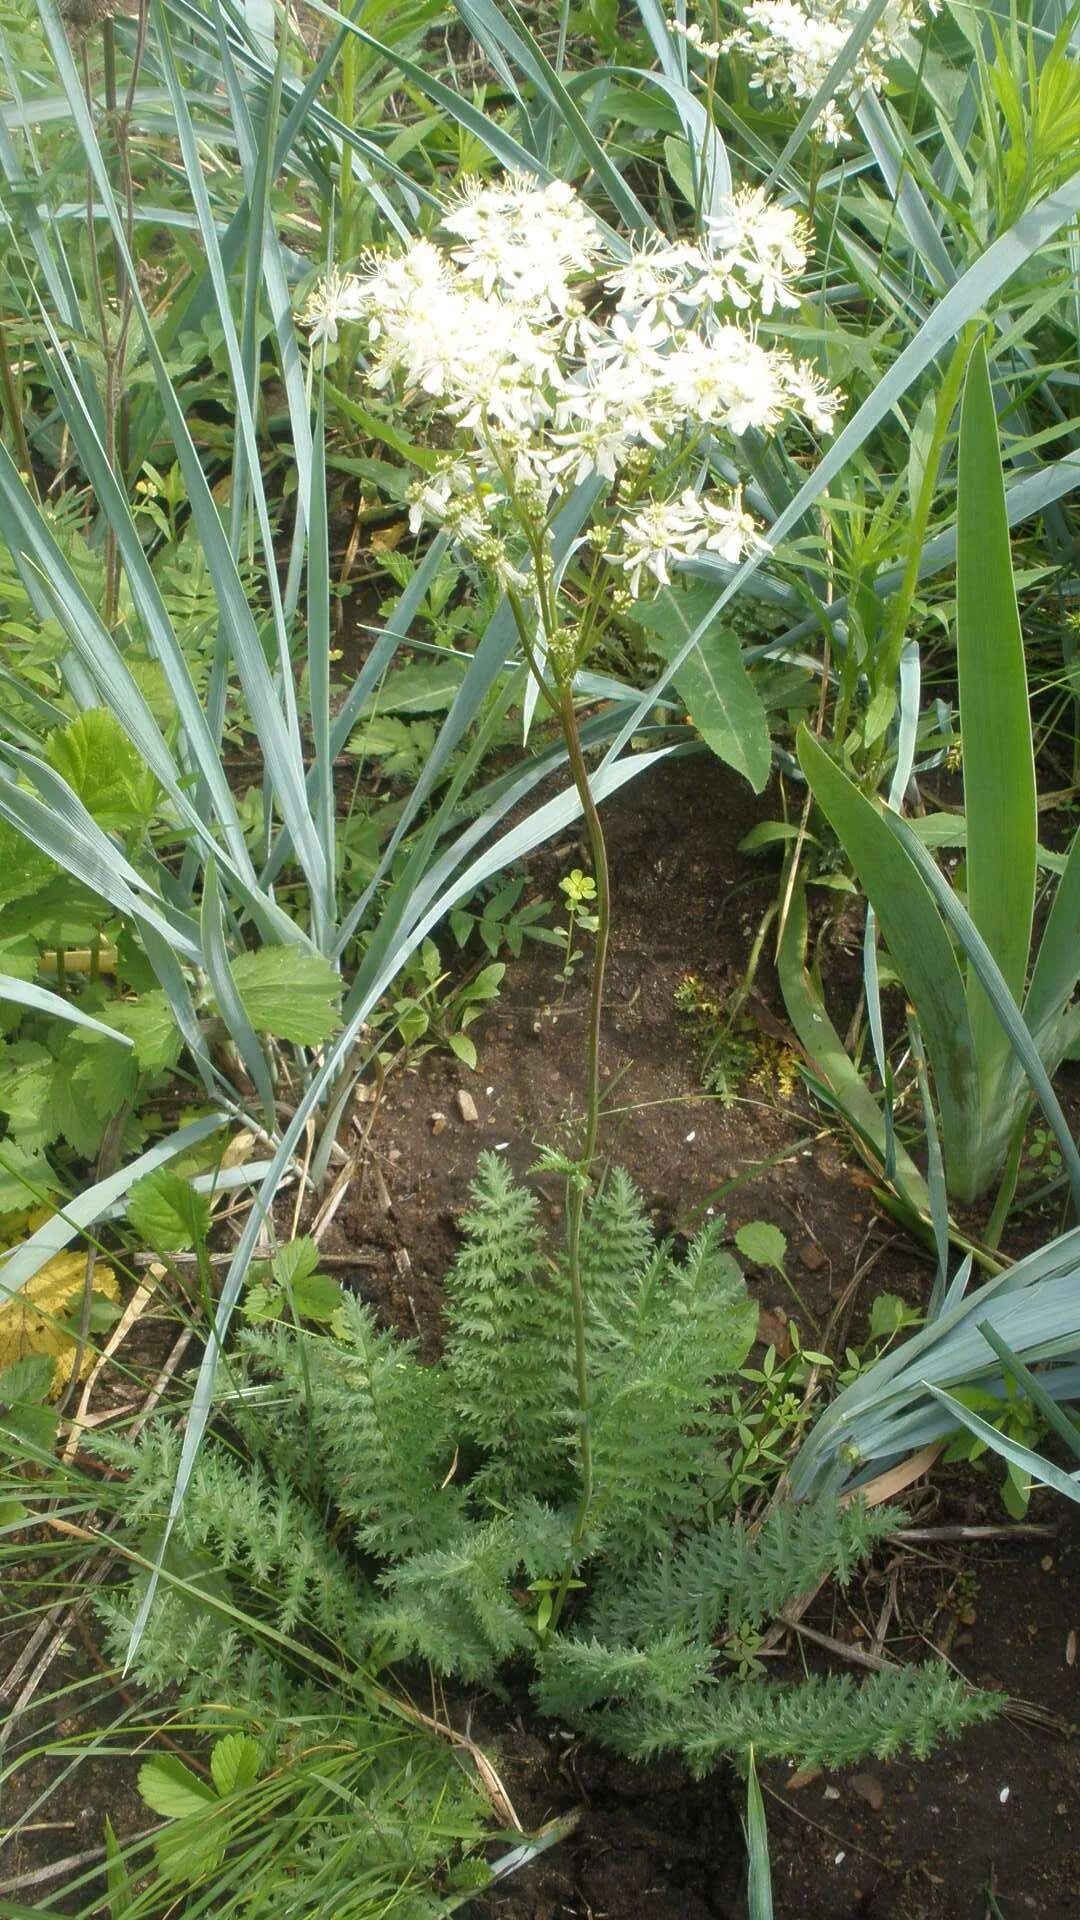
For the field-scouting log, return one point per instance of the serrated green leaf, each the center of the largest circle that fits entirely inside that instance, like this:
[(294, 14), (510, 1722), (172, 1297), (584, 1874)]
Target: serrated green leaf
[(27, 1072), (428, 686), (317, 1297), (762, 1243), (290, 994), (888, 1313), (19, 956), (23, 870), (25, 1177), (234, 1763), (403, 746), (151, 1027), (109, 1073), (171, 1789), (96, 758), (294, 1262), (167, 1213), (27, 1380)]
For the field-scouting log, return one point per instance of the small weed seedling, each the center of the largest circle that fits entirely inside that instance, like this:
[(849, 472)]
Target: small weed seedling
[(579, 891)]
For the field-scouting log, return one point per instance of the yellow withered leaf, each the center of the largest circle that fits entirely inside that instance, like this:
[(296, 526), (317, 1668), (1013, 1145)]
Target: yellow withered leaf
[(30, 1321)]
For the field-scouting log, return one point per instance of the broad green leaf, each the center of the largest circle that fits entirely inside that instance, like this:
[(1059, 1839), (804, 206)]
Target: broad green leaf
[(762, 1243), (27, 1071), (96, 758), (167, 1213), (234, 1762), (290, 994), (428, 686), (771, 833), (28, 1379), (107, 1073), (720, 698), (999, 765), (171, 1789), (402, 746), (23, 869), (150, 1025), (295, 1261), (918, 945), (464, 1048), (317, 1296), (25, 1178)]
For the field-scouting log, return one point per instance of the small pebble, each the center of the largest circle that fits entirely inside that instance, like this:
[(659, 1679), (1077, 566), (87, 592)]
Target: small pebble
[(1003, 1795), (840, 1858), (438, 1123), (466, 1106), (692, 1135)]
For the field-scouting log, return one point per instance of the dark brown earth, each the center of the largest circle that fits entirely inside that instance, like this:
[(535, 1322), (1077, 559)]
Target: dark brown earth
[(994, 1818)]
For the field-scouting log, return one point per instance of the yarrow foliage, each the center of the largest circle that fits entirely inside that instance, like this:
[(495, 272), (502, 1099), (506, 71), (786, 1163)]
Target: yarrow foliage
[(556, 353)]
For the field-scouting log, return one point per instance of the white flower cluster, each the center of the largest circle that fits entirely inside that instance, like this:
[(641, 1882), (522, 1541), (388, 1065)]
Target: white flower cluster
[(666, 531), (551, 359), (792, 44)]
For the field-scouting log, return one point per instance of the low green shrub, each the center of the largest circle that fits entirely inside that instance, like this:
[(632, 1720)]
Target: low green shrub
[(409, 1512)]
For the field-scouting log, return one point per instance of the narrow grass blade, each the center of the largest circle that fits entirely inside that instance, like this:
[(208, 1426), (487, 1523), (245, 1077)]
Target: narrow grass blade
[(230, 1005), (62, 828), (1041, 1471), (504, 26), (281, 746), (853, 1098), (917, 941), (895, 165), (1057, 965), (999, 762), (1055, 1419), (24, 993), (997, 993), (21, 1264), (759, 1898)]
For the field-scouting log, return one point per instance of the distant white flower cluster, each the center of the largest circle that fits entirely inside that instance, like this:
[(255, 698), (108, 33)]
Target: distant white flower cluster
[(792, 44), (553, 359)]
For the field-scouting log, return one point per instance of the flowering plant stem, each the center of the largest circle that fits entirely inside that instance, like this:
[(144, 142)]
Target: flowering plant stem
[(578, 1182)]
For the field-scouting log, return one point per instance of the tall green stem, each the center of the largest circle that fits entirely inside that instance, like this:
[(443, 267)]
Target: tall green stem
[(893, 642), (579, 1180)]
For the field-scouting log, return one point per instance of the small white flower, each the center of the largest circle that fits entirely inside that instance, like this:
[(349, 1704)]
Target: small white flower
[(659, 534), (335, 299), (792, 44), (710, 49)]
